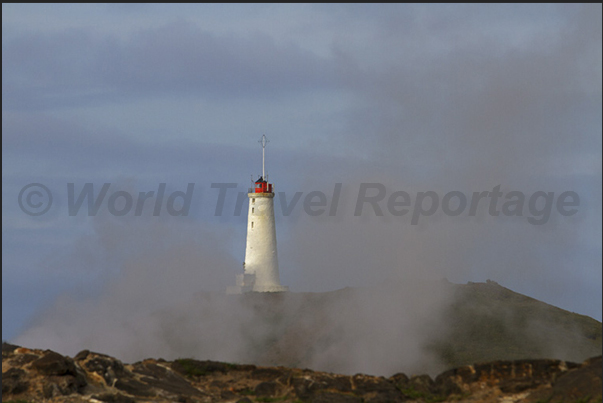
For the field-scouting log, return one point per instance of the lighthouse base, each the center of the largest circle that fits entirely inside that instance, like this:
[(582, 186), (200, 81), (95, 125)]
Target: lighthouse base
[(270, 288), (246, 283)]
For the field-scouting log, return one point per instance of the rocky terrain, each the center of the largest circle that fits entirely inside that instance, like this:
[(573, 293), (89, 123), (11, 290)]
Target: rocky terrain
[(30, 375), (411, 327)]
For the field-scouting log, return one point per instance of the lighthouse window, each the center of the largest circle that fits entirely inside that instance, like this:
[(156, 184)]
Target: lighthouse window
[(252, 210), (253, 200), (252, 224)]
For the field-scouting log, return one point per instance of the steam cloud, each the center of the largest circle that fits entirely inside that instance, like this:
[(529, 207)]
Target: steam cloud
[(166, 299)]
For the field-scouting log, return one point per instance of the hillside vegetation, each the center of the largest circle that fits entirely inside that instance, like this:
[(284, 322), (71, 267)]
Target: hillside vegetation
[(489, 322), (346, 330)]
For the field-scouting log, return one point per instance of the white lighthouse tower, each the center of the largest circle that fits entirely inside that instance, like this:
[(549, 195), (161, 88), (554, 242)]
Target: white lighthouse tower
[(260, 269)]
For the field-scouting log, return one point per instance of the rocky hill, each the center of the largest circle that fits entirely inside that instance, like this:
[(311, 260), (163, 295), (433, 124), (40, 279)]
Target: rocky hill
[(487, 321), (399, 328), (502, 347), (30, 375)]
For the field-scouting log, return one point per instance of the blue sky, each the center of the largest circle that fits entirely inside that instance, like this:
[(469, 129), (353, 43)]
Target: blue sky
[(417, 97)]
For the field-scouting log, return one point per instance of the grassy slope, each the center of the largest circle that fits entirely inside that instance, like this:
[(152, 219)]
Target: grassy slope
[(484, 322), (489, 322)]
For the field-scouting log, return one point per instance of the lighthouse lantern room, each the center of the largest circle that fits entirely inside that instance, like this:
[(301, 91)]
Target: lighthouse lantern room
[(262, 186)]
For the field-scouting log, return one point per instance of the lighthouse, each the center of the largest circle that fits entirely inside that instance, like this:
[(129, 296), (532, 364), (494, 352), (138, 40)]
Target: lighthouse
[(260, 269)]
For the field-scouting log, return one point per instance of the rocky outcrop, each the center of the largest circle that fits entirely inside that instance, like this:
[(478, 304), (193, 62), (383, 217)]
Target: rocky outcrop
[(44, 375)]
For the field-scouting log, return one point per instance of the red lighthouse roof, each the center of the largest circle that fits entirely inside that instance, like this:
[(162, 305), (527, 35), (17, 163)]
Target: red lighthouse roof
[(262, 186)]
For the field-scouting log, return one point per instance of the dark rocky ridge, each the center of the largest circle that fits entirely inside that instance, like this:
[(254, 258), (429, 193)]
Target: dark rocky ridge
[(44, 375)]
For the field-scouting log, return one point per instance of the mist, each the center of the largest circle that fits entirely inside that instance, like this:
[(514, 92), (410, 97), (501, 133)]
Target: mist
[(159, 291), (369, 294)]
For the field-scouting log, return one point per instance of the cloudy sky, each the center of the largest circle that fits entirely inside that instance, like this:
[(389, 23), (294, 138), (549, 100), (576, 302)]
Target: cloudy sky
[(417, 98)]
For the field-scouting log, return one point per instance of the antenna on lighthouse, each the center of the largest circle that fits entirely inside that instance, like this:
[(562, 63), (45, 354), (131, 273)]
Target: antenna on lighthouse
[(263, 141)]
